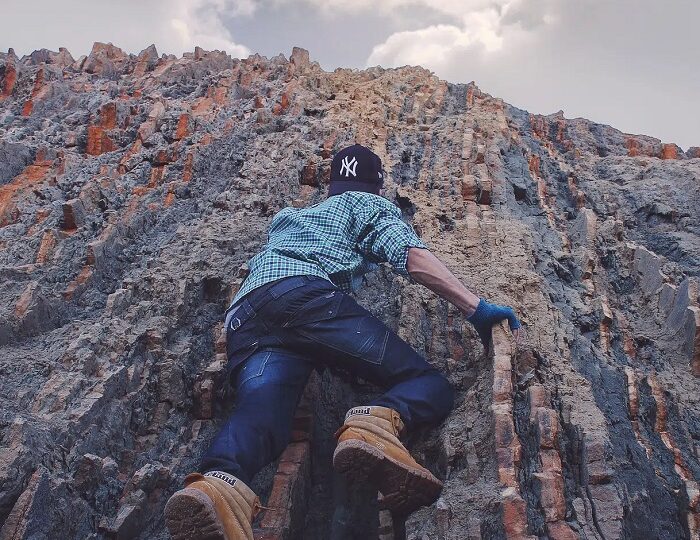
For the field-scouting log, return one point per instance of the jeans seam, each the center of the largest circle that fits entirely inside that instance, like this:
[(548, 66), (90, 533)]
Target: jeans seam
[(260, 371), (383, 350)]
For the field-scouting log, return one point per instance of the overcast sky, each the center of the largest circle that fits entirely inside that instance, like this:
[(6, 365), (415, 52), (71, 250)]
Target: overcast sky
[(632, 64)]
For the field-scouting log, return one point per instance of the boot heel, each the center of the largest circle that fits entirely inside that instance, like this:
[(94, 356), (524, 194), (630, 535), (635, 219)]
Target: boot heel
[(404, 489), (190, 515), (357, 459)]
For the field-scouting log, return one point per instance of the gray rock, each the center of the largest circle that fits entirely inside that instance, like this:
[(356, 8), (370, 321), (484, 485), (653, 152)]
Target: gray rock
[(116, 267)]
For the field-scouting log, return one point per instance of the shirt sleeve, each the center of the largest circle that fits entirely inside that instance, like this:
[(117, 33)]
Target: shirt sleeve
[(385, 237)]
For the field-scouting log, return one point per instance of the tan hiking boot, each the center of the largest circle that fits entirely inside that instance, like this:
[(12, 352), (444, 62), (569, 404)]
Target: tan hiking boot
[(368, 447), (212, 506)]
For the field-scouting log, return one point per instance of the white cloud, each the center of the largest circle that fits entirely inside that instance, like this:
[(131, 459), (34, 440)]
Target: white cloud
[(200, 23), (478, 27), (430, 47)]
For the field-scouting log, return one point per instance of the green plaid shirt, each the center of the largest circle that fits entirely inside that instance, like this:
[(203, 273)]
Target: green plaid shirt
[(340, 239)]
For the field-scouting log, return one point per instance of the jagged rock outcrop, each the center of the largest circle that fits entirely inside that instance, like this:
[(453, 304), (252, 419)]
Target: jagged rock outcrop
[(133, 189)]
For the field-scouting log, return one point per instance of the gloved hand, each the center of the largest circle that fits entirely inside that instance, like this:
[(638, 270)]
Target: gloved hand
[(486, 315)]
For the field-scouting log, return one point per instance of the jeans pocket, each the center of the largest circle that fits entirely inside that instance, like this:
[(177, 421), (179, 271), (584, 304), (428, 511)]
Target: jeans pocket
[(343, 326), (253, 368), (363, 338), (373, 344), (323, 305)]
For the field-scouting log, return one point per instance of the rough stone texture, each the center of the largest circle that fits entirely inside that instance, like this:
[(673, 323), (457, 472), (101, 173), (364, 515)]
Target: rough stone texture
[(133, 189)]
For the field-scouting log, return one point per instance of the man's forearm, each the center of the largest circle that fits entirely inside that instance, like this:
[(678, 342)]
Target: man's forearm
[(426, 269)]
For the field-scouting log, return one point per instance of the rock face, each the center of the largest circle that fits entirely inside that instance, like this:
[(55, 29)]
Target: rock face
[(133, 189)]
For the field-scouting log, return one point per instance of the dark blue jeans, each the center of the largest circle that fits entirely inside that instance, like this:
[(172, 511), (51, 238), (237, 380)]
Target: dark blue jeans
[(277, 334)]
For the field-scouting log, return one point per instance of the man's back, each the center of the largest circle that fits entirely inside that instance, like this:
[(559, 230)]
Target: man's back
[(339, 239)]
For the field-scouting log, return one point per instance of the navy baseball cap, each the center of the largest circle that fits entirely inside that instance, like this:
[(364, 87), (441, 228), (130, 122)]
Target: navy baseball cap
[(356, 168)]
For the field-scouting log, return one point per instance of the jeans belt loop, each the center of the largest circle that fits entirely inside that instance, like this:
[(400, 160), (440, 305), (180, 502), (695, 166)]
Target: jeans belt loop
[(235, 323), (228, 316)]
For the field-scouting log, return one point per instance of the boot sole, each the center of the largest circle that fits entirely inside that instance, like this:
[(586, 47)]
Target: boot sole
[(405, 489), (190, 515)]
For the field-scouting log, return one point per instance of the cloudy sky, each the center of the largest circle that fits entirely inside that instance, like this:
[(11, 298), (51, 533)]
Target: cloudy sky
[(632, 64)]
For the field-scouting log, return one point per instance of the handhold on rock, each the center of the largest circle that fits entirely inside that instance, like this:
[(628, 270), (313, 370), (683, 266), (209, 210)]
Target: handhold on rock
[(73, 214)]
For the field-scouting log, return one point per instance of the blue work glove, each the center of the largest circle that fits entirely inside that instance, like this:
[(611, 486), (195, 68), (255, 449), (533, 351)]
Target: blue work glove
[(486, 315)]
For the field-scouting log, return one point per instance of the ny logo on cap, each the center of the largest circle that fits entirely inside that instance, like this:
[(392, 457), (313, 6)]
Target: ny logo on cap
[(348, 166)]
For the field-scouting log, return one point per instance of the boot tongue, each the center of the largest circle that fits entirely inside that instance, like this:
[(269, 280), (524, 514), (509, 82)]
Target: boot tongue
[(397, 422)]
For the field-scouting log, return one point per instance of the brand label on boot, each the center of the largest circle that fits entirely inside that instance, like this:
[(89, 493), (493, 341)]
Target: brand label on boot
[(359, 410), (228, 478)]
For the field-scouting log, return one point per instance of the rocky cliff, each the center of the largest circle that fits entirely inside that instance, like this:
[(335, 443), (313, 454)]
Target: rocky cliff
[(133, 189)]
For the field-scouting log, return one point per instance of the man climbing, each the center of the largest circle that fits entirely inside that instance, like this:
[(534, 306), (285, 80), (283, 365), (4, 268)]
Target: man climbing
[(292, 315)]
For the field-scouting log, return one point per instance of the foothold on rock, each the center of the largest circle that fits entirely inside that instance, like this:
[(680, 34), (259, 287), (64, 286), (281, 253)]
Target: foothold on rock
[(73, 215)]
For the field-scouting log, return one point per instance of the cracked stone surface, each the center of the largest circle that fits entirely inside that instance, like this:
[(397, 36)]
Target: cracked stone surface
[(133, 190)]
